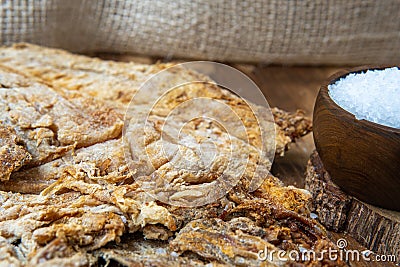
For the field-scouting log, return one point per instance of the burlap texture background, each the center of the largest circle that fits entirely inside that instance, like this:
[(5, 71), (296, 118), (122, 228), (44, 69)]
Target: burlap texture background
[(290, 32)]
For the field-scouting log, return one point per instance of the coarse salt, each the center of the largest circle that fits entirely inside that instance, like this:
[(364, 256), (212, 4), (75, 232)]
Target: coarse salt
[(373, 95)]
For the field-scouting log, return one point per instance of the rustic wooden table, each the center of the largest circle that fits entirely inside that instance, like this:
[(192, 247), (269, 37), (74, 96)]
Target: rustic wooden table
[(289, 88)]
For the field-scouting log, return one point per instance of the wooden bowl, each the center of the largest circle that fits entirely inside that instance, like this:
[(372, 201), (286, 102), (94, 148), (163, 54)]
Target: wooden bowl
[(362, 157)]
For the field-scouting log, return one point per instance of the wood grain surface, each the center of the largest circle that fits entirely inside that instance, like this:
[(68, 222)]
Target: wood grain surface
[(375, 228)]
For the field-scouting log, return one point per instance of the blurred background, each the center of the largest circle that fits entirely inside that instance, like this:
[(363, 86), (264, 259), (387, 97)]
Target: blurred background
[(309, 32)]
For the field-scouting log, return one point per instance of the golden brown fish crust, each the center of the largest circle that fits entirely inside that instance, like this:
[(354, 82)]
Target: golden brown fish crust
[(74, 199)]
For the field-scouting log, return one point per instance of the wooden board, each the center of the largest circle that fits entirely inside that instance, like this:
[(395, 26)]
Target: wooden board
[(375, 228)]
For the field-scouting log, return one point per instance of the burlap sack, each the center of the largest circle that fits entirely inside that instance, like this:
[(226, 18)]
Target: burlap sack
[(291, 32)]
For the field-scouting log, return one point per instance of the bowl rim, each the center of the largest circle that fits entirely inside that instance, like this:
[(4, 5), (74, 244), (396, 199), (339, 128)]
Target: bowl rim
[(343, 73)]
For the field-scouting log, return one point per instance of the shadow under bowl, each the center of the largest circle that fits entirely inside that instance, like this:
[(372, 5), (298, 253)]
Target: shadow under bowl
[(362, 157)]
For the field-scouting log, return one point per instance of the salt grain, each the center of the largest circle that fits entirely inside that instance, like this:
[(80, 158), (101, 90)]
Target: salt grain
[(373, 95)]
